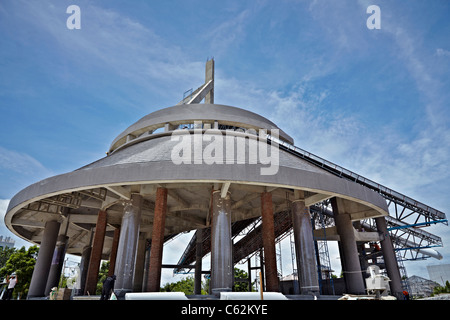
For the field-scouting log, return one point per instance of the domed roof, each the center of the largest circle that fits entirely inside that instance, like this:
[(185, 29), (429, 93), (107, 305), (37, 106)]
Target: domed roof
[(188, 113)]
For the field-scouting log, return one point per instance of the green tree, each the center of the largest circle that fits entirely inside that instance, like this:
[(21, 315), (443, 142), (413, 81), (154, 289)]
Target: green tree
[(240, 286), (185, 285), (21, 262), (102, 275), (442, 289), (205, 285), (5, 253)]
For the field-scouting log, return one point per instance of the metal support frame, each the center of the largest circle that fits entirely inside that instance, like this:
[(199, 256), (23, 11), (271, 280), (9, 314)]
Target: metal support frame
[(409, 206)]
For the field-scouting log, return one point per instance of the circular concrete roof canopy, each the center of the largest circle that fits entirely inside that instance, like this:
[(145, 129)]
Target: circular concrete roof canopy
[(144, 161), (188, 113)]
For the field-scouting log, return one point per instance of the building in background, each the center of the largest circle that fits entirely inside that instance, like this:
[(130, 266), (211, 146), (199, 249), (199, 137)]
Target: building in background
[(6, 242)]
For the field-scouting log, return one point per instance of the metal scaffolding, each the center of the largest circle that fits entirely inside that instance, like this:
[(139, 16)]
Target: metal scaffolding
[(406, 216), (320, 222)]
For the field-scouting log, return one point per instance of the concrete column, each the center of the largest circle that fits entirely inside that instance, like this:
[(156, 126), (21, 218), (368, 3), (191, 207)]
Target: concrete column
[(139, 265), (222, 273), (268, 232), (128, 243), (350, 266), (198, 262), (84, 266), (57, 264), (249, 271), (44, 260), (113, 254), (146, 266), (156, 249), (304, 249), (390, 260), (96, 254)]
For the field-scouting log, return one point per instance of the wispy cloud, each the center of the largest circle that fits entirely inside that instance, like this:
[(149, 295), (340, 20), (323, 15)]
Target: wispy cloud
[(3, 206), (384, 153), (20, 163), (442, 52), (17, 169), (4, 231), (421, 159), (228, 33), (112, 43), (342, 24)]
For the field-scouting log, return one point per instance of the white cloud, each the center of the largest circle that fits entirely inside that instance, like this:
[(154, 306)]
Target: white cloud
[(3, 206), (17, 170), (4, 231), (417, 60), (344, 25), (299, 112), (20, 163), (422, 158), (442, 52), (110, 42), (228, 33)]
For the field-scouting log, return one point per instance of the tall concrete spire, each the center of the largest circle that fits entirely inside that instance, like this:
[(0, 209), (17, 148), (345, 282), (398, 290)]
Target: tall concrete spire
[(209, 76), (206, 90)]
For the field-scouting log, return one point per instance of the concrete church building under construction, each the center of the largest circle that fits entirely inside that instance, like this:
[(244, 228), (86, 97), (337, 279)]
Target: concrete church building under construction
[(215, 169)]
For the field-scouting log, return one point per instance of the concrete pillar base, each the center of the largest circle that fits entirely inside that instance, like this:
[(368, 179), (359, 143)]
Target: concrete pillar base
[(128, 243), (44, 260), (96, 253), (57, 264), (390, 259), (222, 272), (349, 253), (156, 248), (270, 257), (120, 293), (304, 249)]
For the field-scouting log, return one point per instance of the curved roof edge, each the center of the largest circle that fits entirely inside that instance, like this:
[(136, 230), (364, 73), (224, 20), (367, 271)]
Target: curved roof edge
[(183, 113), (166, 172)]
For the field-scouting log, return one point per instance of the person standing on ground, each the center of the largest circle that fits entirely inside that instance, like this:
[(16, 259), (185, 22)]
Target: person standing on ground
[(405, 295), (108, 287), (12, 281)]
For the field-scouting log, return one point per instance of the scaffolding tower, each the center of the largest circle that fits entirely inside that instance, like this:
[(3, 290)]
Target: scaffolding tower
[(322, 253), (294, 264)]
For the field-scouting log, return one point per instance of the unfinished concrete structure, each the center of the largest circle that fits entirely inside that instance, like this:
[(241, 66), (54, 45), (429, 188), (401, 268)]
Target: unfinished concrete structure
[(165, 174)]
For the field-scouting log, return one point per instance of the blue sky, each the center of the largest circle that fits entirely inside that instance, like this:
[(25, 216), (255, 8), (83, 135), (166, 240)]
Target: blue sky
[(372, 101)]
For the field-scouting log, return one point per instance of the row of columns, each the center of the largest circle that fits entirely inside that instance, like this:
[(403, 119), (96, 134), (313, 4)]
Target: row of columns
[(222, 271), (351, 265), (126, 241)]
